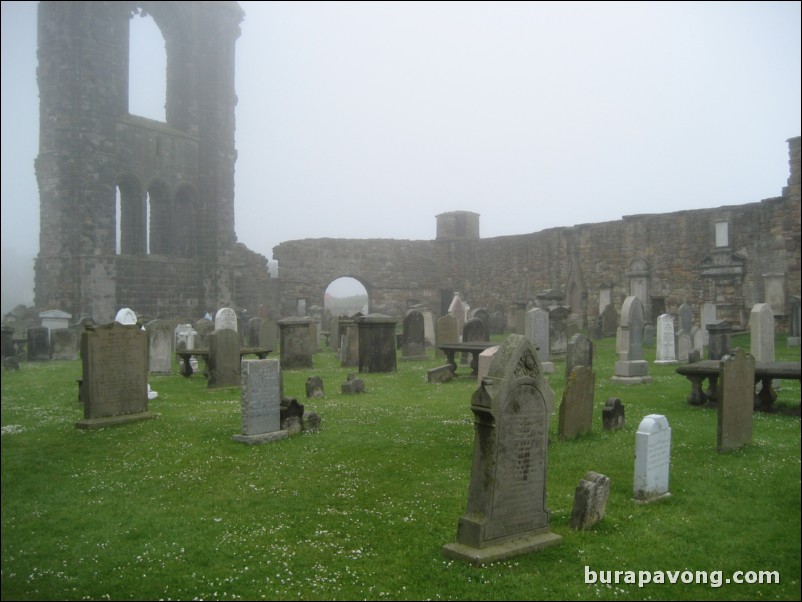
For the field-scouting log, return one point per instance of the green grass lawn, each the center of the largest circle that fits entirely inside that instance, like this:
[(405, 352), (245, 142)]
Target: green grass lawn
[(173, 509)]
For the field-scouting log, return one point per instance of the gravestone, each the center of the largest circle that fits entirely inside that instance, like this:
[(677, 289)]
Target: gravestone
[(761, 326), (314, 386), (377, 343), (708, 316), (719, 333), (224, 359), (538, 332), (609, 322), (665, 352), (631, 368), (484, 316), (184, 337), (685, 317), (590, 500), (580, 353), (648, 335), (260, 385), (114, 387), (428, 327), (268, 334), (160, 346), (446, 332), (349, 345), (483, 365), (64, 344), (576, 409), (296, 342), (652, 459), (414, 345), (736, 400), (506, 512), (475, 330), (38, 344), (613, 418), (55, 319), (203, 328), (558, 330), (225, 319), (255, 332), (8, 341), (457, 309), (794, 325), (353, 385), (698, 338), (441, 374), (684, 345)]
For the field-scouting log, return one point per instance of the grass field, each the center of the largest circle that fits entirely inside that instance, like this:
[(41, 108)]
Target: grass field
[(173, 509)]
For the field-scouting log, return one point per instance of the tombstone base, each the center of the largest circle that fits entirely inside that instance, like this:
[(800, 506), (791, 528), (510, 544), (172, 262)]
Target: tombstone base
[(93, 424), (260, 438), (666, 361), (548, 367), (631, 368), (657, 498), (631, 380), (515, 547)]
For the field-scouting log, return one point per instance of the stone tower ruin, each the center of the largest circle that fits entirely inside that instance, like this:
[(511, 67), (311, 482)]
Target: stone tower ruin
[(137, 212)]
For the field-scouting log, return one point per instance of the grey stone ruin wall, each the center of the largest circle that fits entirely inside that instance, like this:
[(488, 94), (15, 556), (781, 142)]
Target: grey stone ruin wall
[(90, 145)]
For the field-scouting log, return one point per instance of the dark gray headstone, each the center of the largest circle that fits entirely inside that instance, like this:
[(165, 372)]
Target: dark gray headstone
[(576, 409), (613, 418), (268, 334), (8, 341), (314, 386), (114, 387), (590, 500), (255, 333), (580, 353), (506, 512), (377, 349), (794, 334), (353, 385), (296, 342), (224, 358), (414, 338), (558, 330), (719, 333), (685, 317), (38, 344), (736, 400), (609, 321), (475, 329)]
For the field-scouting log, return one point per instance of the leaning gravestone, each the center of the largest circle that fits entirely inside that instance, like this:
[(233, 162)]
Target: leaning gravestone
[(590, 500), (736, 400), (576, 409), (506, 512), (114, 387), (261, 402), (652, 459)]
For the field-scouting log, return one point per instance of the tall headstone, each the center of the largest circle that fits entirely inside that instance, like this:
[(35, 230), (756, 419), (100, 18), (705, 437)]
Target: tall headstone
[(224, 359), (296, 342), (652, 459), (708, 316), (457, 309), (428, 327), (580, 353), (255, 332), (558, 330), (719, 333), (538, 332), (736, 400), (446, 332), (225, 318), (576, 409), (685, 317), (698, 341), (114, 387), (38, 344), (761, 326), (665, 352), (260, 385), (684, 345), (268, 334), (631, 368), (349, 344), (609, 322), (506, 512), (377, 343), (203, 328), (414, 345), (160, 342)]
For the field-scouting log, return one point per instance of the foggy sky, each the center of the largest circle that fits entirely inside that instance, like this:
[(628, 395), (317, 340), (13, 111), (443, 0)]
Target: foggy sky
[(365, 120)]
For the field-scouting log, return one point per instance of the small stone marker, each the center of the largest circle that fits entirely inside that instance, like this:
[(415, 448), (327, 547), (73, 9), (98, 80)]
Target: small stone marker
[(590, 500), (441, 374), (506, 513), (314, 386), (261, 398), (353, 385), (736, 400), (613, 415), (652, 459)]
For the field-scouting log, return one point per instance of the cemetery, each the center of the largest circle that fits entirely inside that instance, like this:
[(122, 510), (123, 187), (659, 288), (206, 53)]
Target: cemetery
[(379, 499)]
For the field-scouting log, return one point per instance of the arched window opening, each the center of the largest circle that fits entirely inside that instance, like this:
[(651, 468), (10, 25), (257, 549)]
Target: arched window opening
[(346, 296), (131, 223), (147, 69)]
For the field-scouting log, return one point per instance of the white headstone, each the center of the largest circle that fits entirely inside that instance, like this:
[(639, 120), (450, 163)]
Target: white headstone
[(761, 326), (125, 316), (708, 316), (665, 352), (652, 458), (225, 319)]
